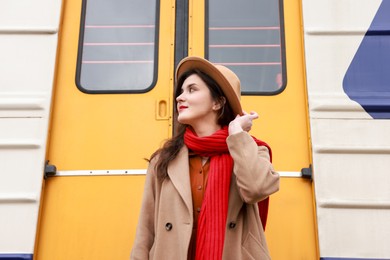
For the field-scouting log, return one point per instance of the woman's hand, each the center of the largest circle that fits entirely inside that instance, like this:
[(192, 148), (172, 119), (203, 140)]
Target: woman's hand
[(242, 123)]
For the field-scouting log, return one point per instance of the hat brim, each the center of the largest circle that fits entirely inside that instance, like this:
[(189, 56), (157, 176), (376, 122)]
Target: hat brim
[(210, 69)]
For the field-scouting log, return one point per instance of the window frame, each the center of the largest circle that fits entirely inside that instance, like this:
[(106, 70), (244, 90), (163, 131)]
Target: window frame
[(282, 50), (118, 91)]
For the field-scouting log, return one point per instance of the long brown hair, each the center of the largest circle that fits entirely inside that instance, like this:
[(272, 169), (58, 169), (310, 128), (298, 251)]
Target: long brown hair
[(172, 146)]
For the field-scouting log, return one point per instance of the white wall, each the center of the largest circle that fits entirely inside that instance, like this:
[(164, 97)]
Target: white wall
[(351, 151), (28, 46)]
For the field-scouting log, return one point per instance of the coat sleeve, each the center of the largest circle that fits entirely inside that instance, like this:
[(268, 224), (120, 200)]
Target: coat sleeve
[(255, 176), (145, 233)]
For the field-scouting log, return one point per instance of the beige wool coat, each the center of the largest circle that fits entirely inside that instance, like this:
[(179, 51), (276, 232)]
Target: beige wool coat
[(166, 217)]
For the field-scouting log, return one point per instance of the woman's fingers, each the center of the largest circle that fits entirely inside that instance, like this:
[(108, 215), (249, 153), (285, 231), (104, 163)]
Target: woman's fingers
[(246, 120), (243, 123)]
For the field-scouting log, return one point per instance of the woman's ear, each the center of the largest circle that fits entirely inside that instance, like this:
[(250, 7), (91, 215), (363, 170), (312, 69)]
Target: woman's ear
[(219, 103)]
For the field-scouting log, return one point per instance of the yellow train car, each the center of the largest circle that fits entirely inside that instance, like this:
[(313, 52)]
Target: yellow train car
[(112, 107), (87, 96)]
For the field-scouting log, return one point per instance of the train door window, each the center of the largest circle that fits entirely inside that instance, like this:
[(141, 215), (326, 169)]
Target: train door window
[(117, 46), (248, 37)]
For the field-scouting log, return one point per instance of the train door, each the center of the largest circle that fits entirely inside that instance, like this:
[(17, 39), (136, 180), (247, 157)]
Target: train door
[(112, 108), (111, 111), (262, 42)]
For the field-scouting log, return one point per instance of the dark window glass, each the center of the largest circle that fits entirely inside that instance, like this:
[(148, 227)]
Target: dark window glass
[(117, 51), (247, 37)]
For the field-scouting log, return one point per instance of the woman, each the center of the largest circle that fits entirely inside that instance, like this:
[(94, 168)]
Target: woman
[(202, 187)]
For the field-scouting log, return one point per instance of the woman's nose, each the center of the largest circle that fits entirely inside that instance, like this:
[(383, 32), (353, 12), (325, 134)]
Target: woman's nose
[(179, 98)]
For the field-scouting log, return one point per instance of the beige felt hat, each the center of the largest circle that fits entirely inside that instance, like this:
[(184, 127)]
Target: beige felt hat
[(225, 78)]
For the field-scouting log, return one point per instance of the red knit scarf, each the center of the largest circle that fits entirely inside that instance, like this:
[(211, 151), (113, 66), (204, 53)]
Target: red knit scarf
[(213, 215)]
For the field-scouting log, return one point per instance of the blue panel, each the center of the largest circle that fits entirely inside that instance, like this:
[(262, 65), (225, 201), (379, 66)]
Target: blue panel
[(343, 258), (367, 80), (16, 256)]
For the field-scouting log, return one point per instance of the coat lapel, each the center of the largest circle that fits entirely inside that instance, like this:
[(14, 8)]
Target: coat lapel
[(179, 174)]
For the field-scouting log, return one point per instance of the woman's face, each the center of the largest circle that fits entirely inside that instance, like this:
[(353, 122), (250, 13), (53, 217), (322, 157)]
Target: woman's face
[(195, 104)]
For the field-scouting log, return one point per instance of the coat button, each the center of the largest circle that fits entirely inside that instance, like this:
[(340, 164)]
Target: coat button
[(232, 225), (168, 226)]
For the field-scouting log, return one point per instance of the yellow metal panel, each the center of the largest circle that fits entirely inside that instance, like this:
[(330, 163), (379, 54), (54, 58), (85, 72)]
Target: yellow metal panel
[(94, 217), (103, 131), (89, 217), (196, 25), (283, 123), (291, 230), (291, 224)]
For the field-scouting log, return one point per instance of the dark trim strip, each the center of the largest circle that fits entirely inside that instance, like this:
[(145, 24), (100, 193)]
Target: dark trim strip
[(348, 258), (181, 43), (181, 32), (16, 256)]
